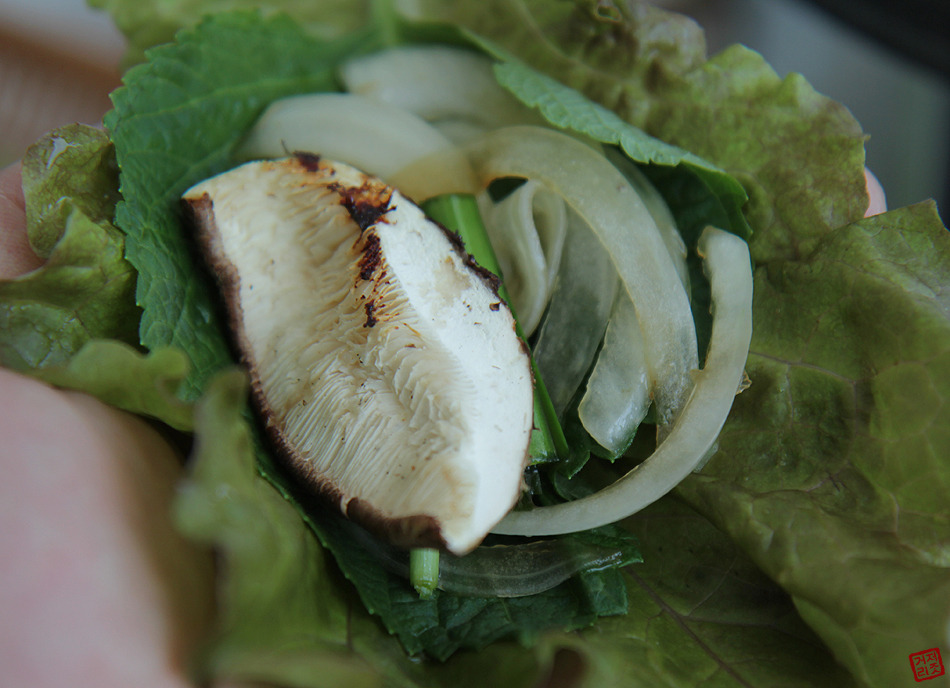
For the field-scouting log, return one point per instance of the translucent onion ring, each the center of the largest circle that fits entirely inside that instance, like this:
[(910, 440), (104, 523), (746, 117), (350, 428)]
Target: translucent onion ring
[(607, 202), (378, 138), (696, 429)]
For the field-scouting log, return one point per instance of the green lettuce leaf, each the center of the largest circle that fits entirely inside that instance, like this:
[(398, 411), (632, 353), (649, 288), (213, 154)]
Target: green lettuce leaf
[(842, 496), (700, 612), (147, 23), (71, 168), (84, 289), (105, 368)]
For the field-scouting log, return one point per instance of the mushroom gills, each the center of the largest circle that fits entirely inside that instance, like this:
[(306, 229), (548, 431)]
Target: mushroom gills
[(385, 366)]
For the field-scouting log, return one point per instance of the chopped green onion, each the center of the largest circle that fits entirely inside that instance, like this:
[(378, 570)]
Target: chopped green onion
[(424, 571)]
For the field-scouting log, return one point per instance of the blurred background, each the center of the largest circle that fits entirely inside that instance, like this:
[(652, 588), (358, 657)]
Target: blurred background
[(58, 63), (887, 61)]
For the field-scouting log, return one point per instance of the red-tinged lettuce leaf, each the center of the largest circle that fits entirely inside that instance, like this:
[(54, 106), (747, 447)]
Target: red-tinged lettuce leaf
[(799, 155), (700, 613), (85, 288), (833, 470)]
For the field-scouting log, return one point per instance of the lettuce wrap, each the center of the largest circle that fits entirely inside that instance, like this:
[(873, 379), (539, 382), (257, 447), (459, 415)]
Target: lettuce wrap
[(810, 550)]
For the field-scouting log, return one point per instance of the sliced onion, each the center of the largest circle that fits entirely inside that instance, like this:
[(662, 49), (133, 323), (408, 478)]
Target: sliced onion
[(375, 137), (516, 570), (437, 83), (617, 397), (577, 315), (699, 423), (527, 230), (524, 569), (604, 198), (459, 131), (660, 212)]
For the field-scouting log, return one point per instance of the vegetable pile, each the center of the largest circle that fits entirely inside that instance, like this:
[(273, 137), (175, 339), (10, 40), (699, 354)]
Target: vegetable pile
[(810, 549)]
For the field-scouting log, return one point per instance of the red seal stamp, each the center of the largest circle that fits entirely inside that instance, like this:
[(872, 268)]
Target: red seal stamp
[(927, 664)]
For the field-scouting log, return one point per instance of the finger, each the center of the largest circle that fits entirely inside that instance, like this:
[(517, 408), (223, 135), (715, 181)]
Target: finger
[(99, 588), (16, 256), (877, 203)]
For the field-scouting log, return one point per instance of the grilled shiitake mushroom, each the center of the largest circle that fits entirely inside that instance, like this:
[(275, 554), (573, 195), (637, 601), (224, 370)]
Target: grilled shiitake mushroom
[(384, 364)]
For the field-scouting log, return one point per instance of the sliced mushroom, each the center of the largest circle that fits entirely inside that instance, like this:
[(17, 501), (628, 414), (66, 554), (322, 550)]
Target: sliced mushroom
[(384, 364)]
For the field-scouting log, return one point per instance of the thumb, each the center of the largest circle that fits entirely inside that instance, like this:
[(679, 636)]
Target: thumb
[(16, 256)]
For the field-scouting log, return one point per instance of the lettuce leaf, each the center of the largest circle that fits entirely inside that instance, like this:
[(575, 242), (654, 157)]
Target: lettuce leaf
[(700, 612), (84, 289), (71, 168), (842, 495), (147, 23), (104, 369)]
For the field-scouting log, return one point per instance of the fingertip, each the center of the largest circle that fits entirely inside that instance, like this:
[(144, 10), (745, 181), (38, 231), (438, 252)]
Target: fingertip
[(877, 202), (16, 255)]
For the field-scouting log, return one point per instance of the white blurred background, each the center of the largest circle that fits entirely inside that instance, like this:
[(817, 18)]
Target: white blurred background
[(58, 61)]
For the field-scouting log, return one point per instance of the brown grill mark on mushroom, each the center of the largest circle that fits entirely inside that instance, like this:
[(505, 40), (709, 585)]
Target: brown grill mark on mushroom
[(370, 308), (371, 258), (365, 203), (491, 279), (309, 161)]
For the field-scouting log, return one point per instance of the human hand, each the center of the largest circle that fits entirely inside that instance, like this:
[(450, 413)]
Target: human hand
[(96, 586), (16, 256)]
